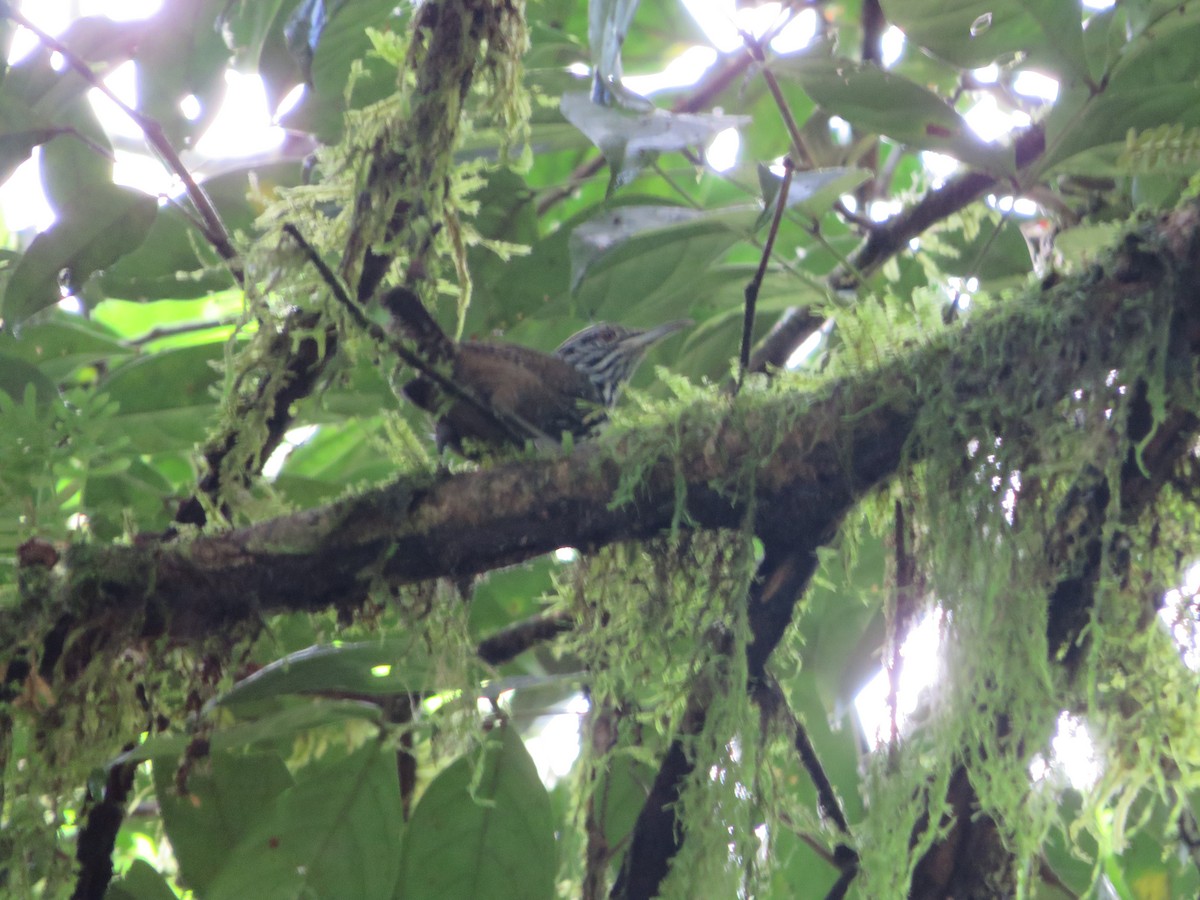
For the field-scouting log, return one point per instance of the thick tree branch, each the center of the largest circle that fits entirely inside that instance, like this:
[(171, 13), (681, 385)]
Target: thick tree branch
[(838, 444)]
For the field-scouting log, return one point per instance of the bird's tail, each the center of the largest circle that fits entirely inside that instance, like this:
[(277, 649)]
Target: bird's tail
[(410, 316)]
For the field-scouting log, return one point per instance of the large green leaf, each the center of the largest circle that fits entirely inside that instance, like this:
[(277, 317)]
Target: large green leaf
[(389, 666), (811, 192), (636, 258), (968, 33), (140, 882), (255, 31), (174, 261), (629, 140), (95, 231), (1152, 83), (62, 344), (336, 833), (134, 491), (226, 794), (510, 594), (164, 397), (342, 42), (182, 54), (76, 165), (276, 727), (483, 828), (997, 251), (21, 129), (885, 103)]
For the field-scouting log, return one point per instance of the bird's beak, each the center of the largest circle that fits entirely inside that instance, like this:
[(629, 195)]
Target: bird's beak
[(654, 335)]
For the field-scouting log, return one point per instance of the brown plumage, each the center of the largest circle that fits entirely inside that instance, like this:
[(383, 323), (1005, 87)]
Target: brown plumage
[(533, 394)]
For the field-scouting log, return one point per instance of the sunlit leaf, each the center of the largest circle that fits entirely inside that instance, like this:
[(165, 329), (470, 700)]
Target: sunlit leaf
[(390, 666), (886, 103), (968, 33), (94, 232), (630, 139)]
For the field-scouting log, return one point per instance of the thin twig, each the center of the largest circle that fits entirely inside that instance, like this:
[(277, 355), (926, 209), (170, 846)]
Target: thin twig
[(214, 228), (514, 427), (755, 284), (863, 222), (755, 47), (953, 309), (167, 331)]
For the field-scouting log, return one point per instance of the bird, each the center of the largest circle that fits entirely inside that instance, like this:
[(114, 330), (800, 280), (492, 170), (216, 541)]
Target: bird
[(522, 393)]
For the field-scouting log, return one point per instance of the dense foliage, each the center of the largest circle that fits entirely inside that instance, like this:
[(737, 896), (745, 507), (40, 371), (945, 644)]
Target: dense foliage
[(259, 640)]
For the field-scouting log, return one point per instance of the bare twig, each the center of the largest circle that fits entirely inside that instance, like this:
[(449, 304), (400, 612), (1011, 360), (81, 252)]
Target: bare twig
[(166, 331), (755, 285), (799, 148)]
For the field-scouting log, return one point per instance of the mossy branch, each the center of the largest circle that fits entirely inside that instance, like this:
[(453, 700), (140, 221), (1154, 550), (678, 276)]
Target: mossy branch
[(813, 455)]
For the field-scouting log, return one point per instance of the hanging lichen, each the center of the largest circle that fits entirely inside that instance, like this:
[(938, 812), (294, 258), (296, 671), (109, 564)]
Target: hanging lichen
[(655, 624), (1001, 460)]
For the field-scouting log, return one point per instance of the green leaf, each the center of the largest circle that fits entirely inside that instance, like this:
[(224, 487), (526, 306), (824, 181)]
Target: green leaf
[(510, 594), (182, 53), (93, 233), (390, 666), (967, 33), (608, 24), (990, 255), (255, 32), (885, 103), (344, 41), (62, 344), (140, 882), (164, 398), (1061, 22), (623, 256), (1152, 83), (17, 375), (621, 794), (174, 261), (138, 490), (76, 165), (335, 833), (813, 191), (227, 794), (629, 140), (483, 828), (21, 129), (276, 728)]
